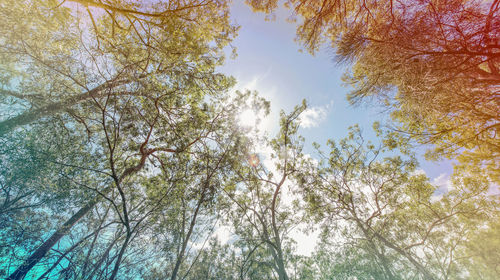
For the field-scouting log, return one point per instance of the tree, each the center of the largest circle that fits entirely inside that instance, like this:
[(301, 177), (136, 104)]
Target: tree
[(136, 88), (197, 197), (216, 261), (262, 218), (57, 57), (386, 221), (133, 137), (435, 64), (481, 253), (36, 185)]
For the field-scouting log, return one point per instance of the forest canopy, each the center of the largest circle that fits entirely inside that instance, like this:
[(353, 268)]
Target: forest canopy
[(434, 64), (123, 154)]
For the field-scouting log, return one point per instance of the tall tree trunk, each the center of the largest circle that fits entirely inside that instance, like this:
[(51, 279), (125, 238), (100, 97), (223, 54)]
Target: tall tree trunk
[(32, 260), (8, 125), (120, 255), (102, 259), (186, 239), (62, 256), (281, 266), (280, 260), (30, 116)]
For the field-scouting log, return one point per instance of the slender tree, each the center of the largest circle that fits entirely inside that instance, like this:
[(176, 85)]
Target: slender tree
[(388, 222), (262, 217)]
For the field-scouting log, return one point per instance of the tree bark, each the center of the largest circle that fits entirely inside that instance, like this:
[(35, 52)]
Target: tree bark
[(185, 241), (32, 260), (30, 116), (120, 256)]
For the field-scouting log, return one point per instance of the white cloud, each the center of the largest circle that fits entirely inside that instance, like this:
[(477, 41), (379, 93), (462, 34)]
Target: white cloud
[(443, 184), (313, 116), (255, 82), (419, 172)]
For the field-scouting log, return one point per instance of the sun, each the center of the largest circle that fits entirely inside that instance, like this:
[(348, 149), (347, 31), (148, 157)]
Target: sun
[(247, 118)]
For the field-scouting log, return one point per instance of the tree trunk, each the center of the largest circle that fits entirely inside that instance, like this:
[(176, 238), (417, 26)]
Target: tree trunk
[(281, 265), (32, 260), (279, 261), (120, 256), (30, 116), (185, 241)]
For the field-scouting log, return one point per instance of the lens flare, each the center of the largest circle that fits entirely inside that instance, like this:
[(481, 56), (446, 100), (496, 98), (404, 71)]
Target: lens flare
[(253, 160)]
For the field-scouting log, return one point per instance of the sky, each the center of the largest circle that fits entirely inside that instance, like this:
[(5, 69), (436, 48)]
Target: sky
[(270, 62)]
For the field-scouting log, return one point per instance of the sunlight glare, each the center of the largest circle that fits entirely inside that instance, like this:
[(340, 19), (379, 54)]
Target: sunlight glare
[(248, 118)]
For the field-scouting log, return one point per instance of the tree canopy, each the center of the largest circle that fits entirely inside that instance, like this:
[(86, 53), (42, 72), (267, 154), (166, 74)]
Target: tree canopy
[(122, 154), (434, 64)]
